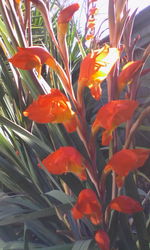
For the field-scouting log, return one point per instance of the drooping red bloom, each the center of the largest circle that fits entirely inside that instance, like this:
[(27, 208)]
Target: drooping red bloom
[(33, 57), (88, 205), (127, 74), (111, 115), (126, 161), (102, 239), (66, 14), (95, 67), (64, 160), (52, 108), (125, 205)]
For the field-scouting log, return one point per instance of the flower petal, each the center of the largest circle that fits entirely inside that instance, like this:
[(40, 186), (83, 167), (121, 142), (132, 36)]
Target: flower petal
[(51, 108), (32, 57), (102, 239), (96, 92), (106, 137), (88, 205), (127, 74), (113, 114), (96, 66), (64, 160), (125, 205), (25, 61), (127, 160), (66, 14)]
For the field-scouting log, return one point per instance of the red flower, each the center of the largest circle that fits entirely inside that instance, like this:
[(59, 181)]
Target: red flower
[(87, 205), (66, 14), (95, 67), (127, 74), (102, 239), (126, 161), (125, 205), (33, 57), (52, 108), (111, 115), (64, 160)]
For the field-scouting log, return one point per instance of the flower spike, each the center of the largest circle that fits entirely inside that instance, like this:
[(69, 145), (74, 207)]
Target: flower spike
[(52, 108), (64, 160), (88, 205)]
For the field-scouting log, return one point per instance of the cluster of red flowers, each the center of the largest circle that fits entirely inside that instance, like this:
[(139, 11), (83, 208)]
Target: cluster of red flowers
[(55, 107)]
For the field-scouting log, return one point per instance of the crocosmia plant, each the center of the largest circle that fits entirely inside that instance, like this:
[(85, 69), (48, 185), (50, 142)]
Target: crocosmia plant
[(74, 171)]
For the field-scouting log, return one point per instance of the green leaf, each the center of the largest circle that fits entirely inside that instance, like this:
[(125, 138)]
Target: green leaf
[(19, 245), (41, 213), (60, 247), (24, 134), (60, 196), (82, 245)]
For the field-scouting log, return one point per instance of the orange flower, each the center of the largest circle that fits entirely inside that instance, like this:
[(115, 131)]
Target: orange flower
[(127, 74), (111, 115), (52, 108), (87, 205), (127, 160), (64, 160), (33, 57), (125, 204), (102, 239), (95, 67)]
